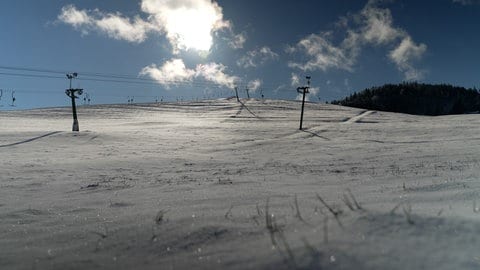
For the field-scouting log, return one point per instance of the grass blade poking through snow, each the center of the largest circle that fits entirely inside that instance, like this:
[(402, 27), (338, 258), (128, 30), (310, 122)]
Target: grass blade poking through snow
[(273, 229), (270, 223), (102, 236), (359, 207), (258, 216), (394, 209), (228, 215), (407, 209), (297, 213), (347, 202), (160, 217), (350, 201), (334, 212)]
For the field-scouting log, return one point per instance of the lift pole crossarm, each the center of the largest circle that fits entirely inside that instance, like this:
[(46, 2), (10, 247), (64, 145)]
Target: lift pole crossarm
[(71, 92), (301, 90)]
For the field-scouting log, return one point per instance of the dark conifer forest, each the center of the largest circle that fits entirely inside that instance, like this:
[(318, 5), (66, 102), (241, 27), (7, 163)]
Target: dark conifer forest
[(416, 98)]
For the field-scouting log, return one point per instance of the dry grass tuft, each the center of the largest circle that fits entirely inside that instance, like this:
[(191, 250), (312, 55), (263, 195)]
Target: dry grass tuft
[(335, 212)]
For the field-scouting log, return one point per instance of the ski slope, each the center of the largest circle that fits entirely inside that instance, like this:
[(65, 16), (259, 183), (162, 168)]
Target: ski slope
[(225, 185)]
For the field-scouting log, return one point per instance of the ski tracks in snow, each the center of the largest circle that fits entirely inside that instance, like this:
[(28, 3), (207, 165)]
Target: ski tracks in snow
[(31, 139), (358, 117)]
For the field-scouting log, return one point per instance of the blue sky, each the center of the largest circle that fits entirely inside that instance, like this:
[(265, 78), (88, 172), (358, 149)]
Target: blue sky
[(184, 49)]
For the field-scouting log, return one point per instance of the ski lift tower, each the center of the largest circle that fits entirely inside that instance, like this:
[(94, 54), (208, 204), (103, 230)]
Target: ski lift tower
[(71, 93), (303, 90)]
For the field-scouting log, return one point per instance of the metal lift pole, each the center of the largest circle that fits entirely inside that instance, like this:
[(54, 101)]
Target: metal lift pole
[(236, 94), (71, 93), (304, 90)]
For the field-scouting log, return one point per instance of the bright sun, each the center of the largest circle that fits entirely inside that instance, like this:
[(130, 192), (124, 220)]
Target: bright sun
[(191, 29)]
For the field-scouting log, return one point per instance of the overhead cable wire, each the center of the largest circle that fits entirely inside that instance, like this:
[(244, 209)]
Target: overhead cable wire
[(130, 78), (130, 81)]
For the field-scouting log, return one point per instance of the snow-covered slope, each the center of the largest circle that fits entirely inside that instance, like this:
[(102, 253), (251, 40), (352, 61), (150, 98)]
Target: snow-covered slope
[(223, 185)]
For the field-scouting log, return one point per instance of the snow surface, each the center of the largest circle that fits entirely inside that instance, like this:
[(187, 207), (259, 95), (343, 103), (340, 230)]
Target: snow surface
[(223, 185)]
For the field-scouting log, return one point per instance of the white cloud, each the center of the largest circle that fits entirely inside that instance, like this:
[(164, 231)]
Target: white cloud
[(295, 80), (378, 27), (313, 91), (372, 26), (215, 73), (467, 2), (322, 54), (403, 56), (254, 85), (280, 88), (238, 41), (113, 25), (187, 24), (379, 30), (121, 28), (170, 73), (257, 57), (77, 18), (174, 72), (352, 44)]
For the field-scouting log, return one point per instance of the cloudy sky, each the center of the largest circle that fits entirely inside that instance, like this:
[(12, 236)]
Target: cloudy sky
[(183, 49)]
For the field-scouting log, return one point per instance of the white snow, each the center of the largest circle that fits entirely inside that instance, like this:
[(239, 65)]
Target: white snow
[(185, 186)]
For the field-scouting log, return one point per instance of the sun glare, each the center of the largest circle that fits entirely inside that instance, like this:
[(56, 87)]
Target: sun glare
[(192, 29)]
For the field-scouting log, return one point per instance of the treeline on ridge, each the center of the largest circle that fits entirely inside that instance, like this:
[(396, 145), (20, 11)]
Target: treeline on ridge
[(416, 98)]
